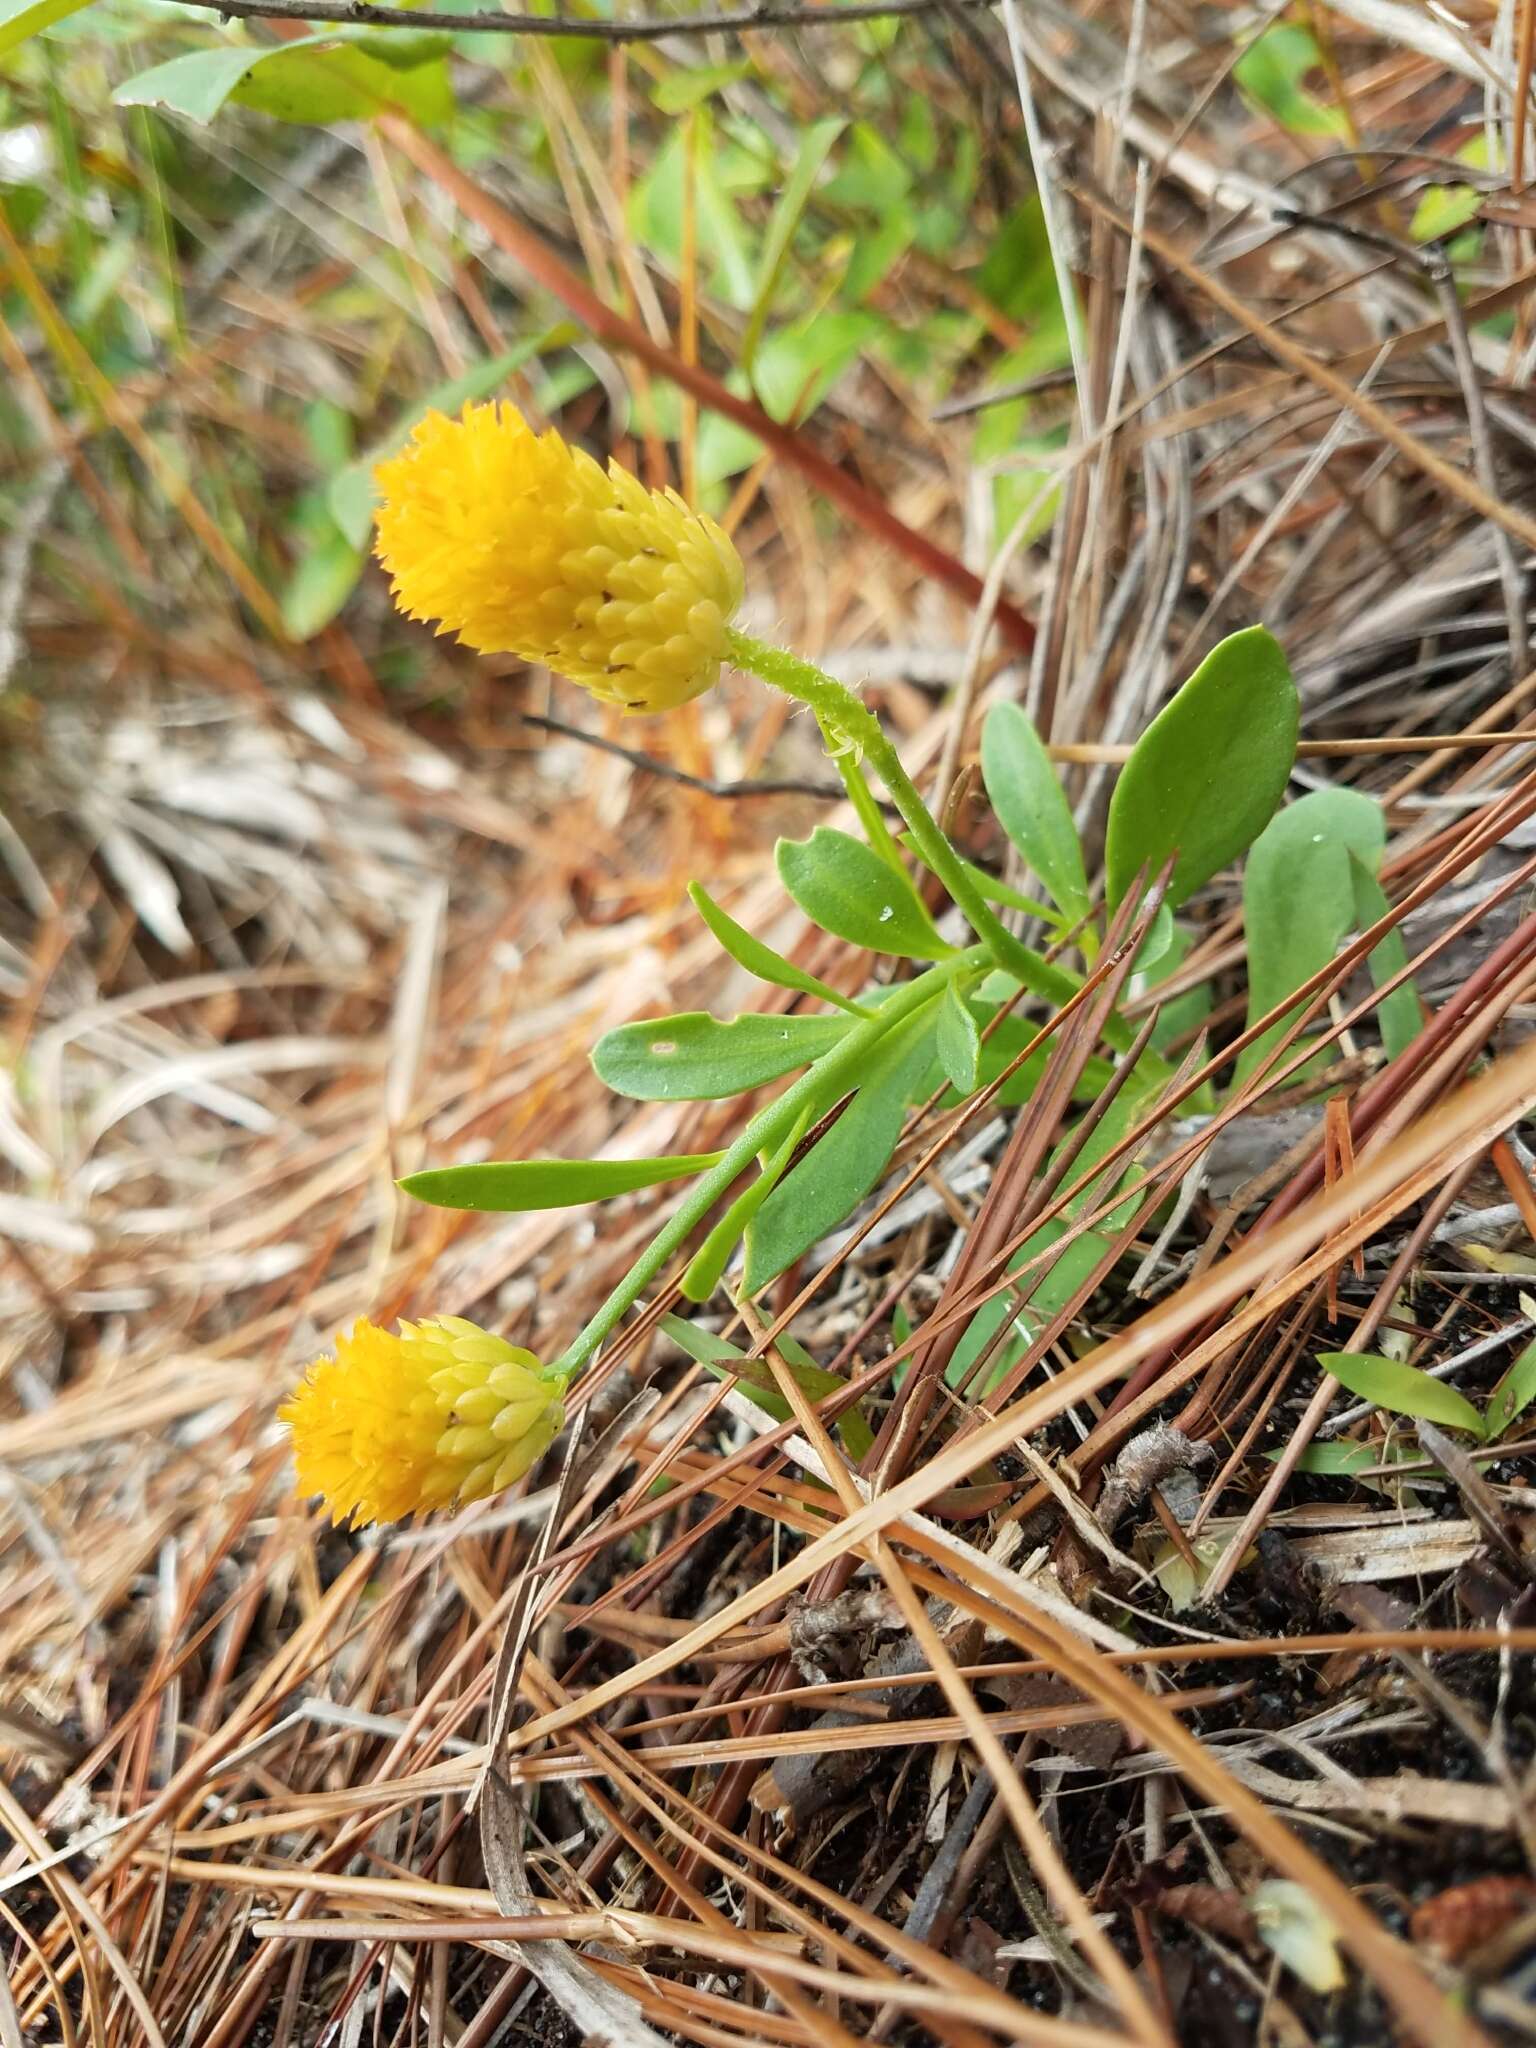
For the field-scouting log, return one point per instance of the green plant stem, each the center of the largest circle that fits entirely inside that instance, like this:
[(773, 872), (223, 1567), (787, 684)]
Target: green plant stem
[(841, 1066), (847, 722)]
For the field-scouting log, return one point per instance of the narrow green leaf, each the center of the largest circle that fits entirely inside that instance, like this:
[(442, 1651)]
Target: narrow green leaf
[(816, 144), (1299, 897), (841, 1168), (1512, 1396), (1032, 807), (22, 19), (959, 1043), (996, 890), (1402, 1389), (709, 1261), (846, 889), (698, 1058), (1206, 776), (762, 960), (1334, 1461), (507, 1184), (757, 1380)]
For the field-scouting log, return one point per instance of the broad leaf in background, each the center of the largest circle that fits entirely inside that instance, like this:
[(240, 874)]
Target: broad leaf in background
[(849, 891), (1299, 897), (841, 1168), (1402, 1389), (20, 19), (318, 79), (1208, 773), (658, 210), (762, 960), (697, 1058), (1399, 1015), (816, 145), (518, 1184), (759, 1384), (1515, 1392), (1270, 75), (1032, 807), (1445, 209)]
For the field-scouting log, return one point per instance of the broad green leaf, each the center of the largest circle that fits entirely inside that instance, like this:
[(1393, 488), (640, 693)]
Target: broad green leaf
[(1032, 807), (1402, 1389), (1512, 1396), (315, 86), (759, 959), (1270, 74), (846, 889), (698, 1058), (317, 79), (816, 143), (1398, 1016), (195, 85), (516, 1184), (796, 366), (657, 209), (841, 1168), (1208, 773), (22, 19), (1299, 897), (757, 1380), (958, 1042), (322, 580), (351, 494)]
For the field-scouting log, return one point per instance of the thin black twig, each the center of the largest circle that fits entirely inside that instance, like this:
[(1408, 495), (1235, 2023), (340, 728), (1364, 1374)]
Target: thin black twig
[(648, 763), (643, 30)]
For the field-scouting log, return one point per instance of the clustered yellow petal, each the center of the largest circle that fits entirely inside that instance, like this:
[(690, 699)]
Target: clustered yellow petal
[(397, 1423), (522, 545)]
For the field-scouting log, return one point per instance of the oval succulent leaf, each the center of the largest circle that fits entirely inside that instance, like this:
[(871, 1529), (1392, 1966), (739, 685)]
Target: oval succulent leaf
[(1208, 773), (698, 1058), (848, 890)]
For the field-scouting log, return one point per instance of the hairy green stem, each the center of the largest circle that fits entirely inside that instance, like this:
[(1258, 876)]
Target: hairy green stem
[(842, 1065), (844, 719), (848, 722)]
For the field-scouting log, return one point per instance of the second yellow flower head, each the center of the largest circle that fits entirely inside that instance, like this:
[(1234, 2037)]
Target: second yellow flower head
[(522, 545), (396, 1424)]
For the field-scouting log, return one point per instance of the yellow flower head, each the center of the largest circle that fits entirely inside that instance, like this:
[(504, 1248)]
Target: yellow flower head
[(522, 545), (442, 1412)]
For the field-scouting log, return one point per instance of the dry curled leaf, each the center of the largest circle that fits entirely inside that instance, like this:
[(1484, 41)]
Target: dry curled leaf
[(1455, 1923)]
